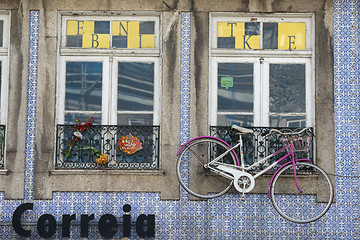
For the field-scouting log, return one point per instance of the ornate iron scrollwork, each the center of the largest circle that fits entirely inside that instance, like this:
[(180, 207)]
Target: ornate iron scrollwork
[(103, 139)]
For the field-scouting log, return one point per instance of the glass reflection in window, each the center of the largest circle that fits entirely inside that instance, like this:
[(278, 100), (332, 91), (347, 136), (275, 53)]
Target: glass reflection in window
[(135, 93), (83, 87), (287, 88)]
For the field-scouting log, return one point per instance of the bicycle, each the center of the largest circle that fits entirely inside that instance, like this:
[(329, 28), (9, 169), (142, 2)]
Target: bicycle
[(208, 162)]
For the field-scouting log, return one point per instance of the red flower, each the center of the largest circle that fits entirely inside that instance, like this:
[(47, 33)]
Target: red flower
[(79, 128), (82, 127)]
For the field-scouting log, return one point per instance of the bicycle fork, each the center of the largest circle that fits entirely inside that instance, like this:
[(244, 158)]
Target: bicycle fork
[(293, 163), (294, 166)]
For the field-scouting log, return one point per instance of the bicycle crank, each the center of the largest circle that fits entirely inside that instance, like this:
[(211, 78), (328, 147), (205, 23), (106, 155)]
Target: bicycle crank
[(243, 182)]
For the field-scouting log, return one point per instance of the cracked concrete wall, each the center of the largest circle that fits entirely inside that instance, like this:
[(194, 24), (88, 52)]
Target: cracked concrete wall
[(13, 183)]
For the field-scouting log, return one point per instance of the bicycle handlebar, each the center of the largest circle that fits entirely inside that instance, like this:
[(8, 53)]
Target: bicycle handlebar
[(267, 133)]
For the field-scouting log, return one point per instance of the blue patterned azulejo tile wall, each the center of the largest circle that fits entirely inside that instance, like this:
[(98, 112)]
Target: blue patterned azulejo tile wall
[(31, 104), (347, 116), (225, 217)]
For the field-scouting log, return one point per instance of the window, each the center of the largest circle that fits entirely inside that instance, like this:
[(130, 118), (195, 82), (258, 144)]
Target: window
[(4, 76), (109, 69), (261, 71), (123, 92), (4, 65)]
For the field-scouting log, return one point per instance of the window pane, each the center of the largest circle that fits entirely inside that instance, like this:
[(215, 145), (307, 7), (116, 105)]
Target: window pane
[(135, 86), (88, 34), (291, 36), (102, 27), (83, 86), (70, 118), (235, 87), (242, 120), (135, 119), (239, 35), (287, 121), (287, 88), (270, 35), (287, 36), (133, 34)]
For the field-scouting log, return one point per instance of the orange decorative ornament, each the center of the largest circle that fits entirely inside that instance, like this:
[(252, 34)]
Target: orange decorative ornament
[(129, 144), (103, 159)]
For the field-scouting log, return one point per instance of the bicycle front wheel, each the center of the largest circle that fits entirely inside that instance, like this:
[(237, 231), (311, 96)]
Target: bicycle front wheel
[(194, 177), (303, 206)]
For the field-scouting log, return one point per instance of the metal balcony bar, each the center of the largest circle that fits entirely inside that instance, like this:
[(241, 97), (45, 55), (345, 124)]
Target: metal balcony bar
[(103, 139), (256, 146)]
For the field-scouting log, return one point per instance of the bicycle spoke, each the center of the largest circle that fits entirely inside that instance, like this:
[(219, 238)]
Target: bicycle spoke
[(197, 156)]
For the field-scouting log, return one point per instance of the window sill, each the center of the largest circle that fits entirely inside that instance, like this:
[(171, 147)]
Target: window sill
[(128, 52), (264, 53), (4, 172), (105, 172)]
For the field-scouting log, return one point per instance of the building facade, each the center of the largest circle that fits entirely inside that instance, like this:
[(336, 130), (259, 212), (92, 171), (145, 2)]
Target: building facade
[(148, 72)]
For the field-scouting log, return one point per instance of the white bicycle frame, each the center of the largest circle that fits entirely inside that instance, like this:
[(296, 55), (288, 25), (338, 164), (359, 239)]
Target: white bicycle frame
[(234, 172)]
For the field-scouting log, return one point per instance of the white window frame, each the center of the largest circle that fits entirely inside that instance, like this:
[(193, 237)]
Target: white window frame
[(4, 88), (4, 58), (213, 88), (309, 89), (307, 18), (109, 87), (261, 59), (62, 85), (110, 57), (5, 16), (89, 16)]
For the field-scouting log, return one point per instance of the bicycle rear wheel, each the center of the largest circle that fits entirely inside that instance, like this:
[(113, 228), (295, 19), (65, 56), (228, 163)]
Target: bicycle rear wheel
[(306, 206), (194, 177)]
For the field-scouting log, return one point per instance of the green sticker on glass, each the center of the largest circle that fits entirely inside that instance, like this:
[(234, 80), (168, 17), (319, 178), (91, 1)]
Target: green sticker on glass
[(227, 82)]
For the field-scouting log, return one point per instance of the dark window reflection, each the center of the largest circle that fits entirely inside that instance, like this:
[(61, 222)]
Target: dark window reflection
[(287, 88), (102, 27), (70, 118), (288, 121), (135, 86), (147, 27), (235, 87), (242, 120), (252, 28), (270, 36), (83, 86), (226, 42), (74, 40), (135, 119)]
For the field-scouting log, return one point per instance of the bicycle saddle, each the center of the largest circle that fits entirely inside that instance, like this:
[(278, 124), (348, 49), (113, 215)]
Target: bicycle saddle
[(242, 130)]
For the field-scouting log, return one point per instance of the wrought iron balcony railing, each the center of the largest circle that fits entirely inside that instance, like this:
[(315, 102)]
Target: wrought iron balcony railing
[(125, 147), (2, 146), (256, 146)]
